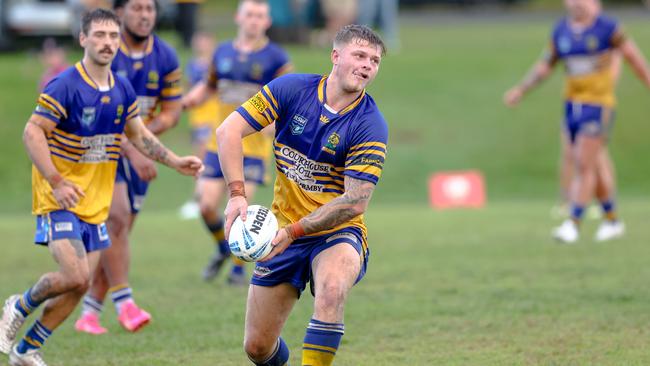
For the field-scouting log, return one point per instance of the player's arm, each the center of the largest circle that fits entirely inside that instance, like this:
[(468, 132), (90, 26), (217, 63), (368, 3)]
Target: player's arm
[(170, 113), (149, 145), (197, 95), (229, 139), (35, 134), (351, 204), (538, 73), (637, 61)]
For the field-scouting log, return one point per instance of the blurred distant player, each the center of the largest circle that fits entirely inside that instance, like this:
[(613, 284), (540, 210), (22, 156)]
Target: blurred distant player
[(203, 117), (53, 58), (239, 69), (330, 146), (151, 66), (586, 41), (73, 139)]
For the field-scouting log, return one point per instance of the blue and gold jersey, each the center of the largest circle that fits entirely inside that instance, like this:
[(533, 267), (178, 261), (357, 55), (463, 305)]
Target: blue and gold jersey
[(316, 147), (237, 76), (587, 56), (85, 144), (154, 74), (205, 114)]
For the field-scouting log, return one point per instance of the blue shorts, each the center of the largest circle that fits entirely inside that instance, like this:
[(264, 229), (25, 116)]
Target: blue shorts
[(136, 187), (254, 168), (63, 224), (201, 134), (293, 266), (588, 120)]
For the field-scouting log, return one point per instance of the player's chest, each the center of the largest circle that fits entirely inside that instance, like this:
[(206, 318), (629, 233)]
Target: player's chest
[(99, 112), (243, 67), (144, 74), (569, 43), (317, 133)]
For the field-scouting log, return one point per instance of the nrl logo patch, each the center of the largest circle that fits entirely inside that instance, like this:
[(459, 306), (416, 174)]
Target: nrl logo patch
[(88, 116), (297, 125)]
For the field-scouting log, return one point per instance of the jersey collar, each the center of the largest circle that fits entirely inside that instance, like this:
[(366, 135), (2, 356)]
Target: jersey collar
[(124, 47), (81, 69), (322, 97)]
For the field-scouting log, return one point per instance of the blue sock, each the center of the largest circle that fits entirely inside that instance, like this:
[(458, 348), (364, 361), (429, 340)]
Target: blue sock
[(280, 356), (321, 343), (608, 208), (34, 338), (577, 212), (216, 229), (237, 269), (223, 247), (26, 305)]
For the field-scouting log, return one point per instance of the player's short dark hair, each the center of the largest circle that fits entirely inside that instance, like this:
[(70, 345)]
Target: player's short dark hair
[(266, 2), (355, 31), (100, 16), (122, 3)]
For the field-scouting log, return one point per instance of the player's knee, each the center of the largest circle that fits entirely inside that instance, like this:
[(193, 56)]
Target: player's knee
[(257, 348), (330, 296), (78, 282), (208, 211), (118, 224)]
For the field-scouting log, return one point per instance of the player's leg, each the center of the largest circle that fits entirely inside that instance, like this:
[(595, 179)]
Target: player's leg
[(63, 290), (566, 168), (267, 309), (335, 270), (611, 227), (211, 192), (93, 304)]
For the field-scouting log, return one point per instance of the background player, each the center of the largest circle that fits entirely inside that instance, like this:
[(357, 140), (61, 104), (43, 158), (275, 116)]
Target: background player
[(203, 117), (151, 66), (73, 139), (330, 145), (586, 41), (239, 69)]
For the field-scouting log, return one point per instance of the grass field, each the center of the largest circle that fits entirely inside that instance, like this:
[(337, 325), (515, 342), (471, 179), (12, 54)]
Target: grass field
[(484, 287)]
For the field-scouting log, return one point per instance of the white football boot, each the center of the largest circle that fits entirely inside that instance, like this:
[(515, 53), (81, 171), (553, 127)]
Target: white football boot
[(30, 358), (609, 230), (567, 232), (11, 321)]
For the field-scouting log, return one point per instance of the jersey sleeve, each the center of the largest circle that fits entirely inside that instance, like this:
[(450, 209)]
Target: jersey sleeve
[(283, 63), (263, 108), (211, 77), (367, 151), (54, 103), (131, 100), (618, 36), (171, 78)]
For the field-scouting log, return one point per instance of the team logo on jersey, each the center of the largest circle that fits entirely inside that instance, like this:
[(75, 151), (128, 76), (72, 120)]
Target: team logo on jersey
[(120, 111), (88, 116), (592, 43), (297, 125), (152, 80), (564, 44), (256, 71), (138, 65), (106, 99), (332, 143), (224, 65), (323, 118)]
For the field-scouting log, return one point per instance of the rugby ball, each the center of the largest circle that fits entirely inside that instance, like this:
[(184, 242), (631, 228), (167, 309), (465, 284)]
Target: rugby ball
[(250, 240)]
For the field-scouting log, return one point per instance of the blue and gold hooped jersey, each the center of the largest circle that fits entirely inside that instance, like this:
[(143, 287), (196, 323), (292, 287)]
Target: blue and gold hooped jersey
[(154, 74), (587, 56), (316, 147), (237, 76), (85, 144)]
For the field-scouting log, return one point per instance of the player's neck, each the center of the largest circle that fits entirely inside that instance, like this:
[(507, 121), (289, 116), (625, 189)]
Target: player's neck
[(98, 73), (336, 97), (249, 44), (584, 21), (135, 45)]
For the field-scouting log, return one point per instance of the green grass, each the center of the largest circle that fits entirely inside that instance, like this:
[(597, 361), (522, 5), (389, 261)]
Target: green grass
[(485, 287)]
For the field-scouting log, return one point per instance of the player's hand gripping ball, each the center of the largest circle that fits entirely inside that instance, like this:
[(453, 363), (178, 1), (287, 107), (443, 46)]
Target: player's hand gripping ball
[(250, 241)]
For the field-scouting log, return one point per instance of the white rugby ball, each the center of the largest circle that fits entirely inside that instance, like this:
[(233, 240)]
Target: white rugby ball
[(250, 240)]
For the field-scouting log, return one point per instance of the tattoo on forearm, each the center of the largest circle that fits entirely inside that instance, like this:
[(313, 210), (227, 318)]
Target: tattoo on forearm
[(340, 209), (155, 150)]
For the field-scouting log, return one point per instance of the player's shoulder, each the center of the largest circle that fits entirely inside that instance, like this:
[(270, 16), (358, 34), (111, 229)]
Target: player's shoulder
[(65, 80), (275, 48), (560, 25), (371, 114), (123, 83), (606, 21), (163, 48), (225, 46)]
